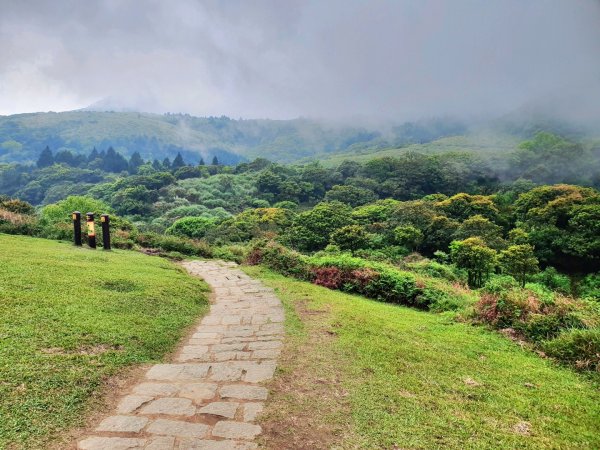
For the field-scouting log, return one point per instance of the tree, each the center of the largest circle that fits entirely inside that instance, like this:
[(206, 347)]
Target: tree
[(519, 261), (135, 162), (215, 161), (475, 257), (64, 157), (193, 227), (178, 162), (93, 155), (408, 236), (481, 227), (46, 158), (156, 165), (350, 237), (311, 229), (114, 161), (201, 163), (352, 195), (166, 164)]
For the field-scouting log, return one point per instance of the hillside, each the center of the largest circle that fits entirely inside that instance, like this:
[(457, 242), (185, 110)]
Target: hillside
[(72, 317), (357, 373), (23, 136), (481, 143)]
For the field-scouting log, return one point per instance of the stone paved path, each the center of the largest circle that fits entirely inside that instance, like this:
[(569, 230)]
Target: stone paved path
[(210, 396)]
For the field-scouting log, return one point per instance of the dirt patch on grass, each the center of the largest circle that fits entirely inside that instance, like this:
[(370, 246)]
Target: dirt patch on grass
[(308, 407)]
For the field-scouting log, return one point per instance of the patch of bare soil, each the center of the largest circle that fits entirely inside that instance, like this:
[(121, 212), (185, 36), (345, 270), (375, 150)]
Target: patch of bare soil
[(308, 407)]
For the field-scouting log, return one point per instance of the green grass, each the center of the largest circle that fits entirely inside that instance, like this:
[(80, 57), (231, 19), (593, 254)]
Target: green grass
[(417, 380), (72, 317)]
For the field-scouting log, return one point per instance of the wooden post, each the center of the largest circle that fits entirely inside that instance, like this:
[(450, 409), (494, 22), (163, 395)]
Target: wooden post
[(91, 231), (77, 228), (105, 231)]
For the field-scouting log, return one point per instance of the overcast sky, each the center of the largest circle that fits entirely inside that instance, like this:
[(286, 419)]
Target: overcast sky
[(287, 58)]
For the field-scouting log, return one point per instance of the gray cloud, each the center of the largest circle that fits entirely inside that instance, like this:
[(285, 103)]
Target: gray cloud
[(280, 59)]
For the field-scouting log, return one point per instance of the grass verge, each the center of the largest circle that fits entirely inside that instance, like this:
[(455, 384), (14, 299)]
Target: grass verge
[(70, 318), (359, 373)]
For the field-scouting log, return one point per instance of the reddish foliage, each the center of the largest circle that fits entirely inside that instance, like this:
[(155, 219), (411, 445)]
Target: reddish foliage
[(329, 277), (254, 257), (362, 277), (487, 308)]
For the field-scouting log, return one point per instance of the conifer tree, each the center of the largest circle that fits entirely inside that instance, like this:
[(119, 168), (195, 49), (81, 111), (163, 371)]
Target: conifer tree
[(93, 155), (46, 158), (215, 161), (178, 162), (135, 162), (201, 163)]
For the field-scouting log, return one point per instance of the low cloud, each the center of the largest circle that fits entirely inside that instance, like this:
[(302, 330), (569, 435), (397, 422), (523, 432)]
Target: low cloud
[(336, 59)]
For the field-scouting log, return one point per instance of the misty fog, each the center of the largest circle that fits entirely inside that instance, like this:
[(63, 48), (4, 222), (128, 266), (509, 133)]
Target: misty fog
[(392, 60)]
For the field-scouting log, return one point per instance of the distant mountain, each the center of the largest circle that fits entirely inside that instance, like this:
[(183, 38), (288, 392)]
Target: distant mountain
[(23, 136)]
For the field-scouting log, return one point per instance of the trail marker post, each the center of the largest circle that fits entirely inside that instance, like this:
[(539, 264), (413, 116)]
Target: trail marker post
[(105, 231), (77, 228), (91, 231)]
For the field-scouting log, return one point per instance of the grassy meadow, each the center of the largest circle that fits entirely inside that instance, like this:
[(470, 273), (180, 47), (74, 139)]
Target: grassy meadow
[(360, 373), (70, 318)]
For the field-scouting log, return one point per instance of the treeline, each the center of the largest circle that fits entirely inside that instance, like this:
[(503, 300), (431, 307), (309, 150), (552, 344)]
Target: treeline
[(111, 160)]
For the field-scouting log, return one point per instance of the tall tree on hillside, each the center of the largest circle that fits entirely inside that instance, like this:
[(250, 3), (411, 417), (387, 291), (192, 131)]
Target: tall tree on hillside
[(46, 158), (156, 165), (65, 157), (166, 164), (475, 257), (135, 162), (201, 163), (178, 162), (519, 261), (215, 161), (114, 161), (93, 155)]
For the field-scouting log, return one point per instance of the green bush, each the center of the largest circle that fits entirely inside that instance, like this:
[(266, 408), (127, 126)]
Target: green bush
[(536, 318), (280, 259), (581, 348), (550, 278), (435, 269), (237, 253), (174, 244), (589, 287), (192, 227)]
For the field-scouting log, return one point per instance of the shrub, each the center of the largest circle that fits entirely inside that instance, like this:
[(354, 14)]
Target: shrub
[(16, 206), (394, 287), (434, 269), (192, 227), (237, 253), (590, 287), (329, 277), (174, 244), (536, 319), (17, 223), (284, 261), (578, 347), (550, 278), (350, 237)]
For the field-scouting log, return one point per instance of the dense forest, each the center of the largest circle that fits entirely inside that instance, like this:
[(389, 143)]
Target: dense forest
[(511, 240)]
